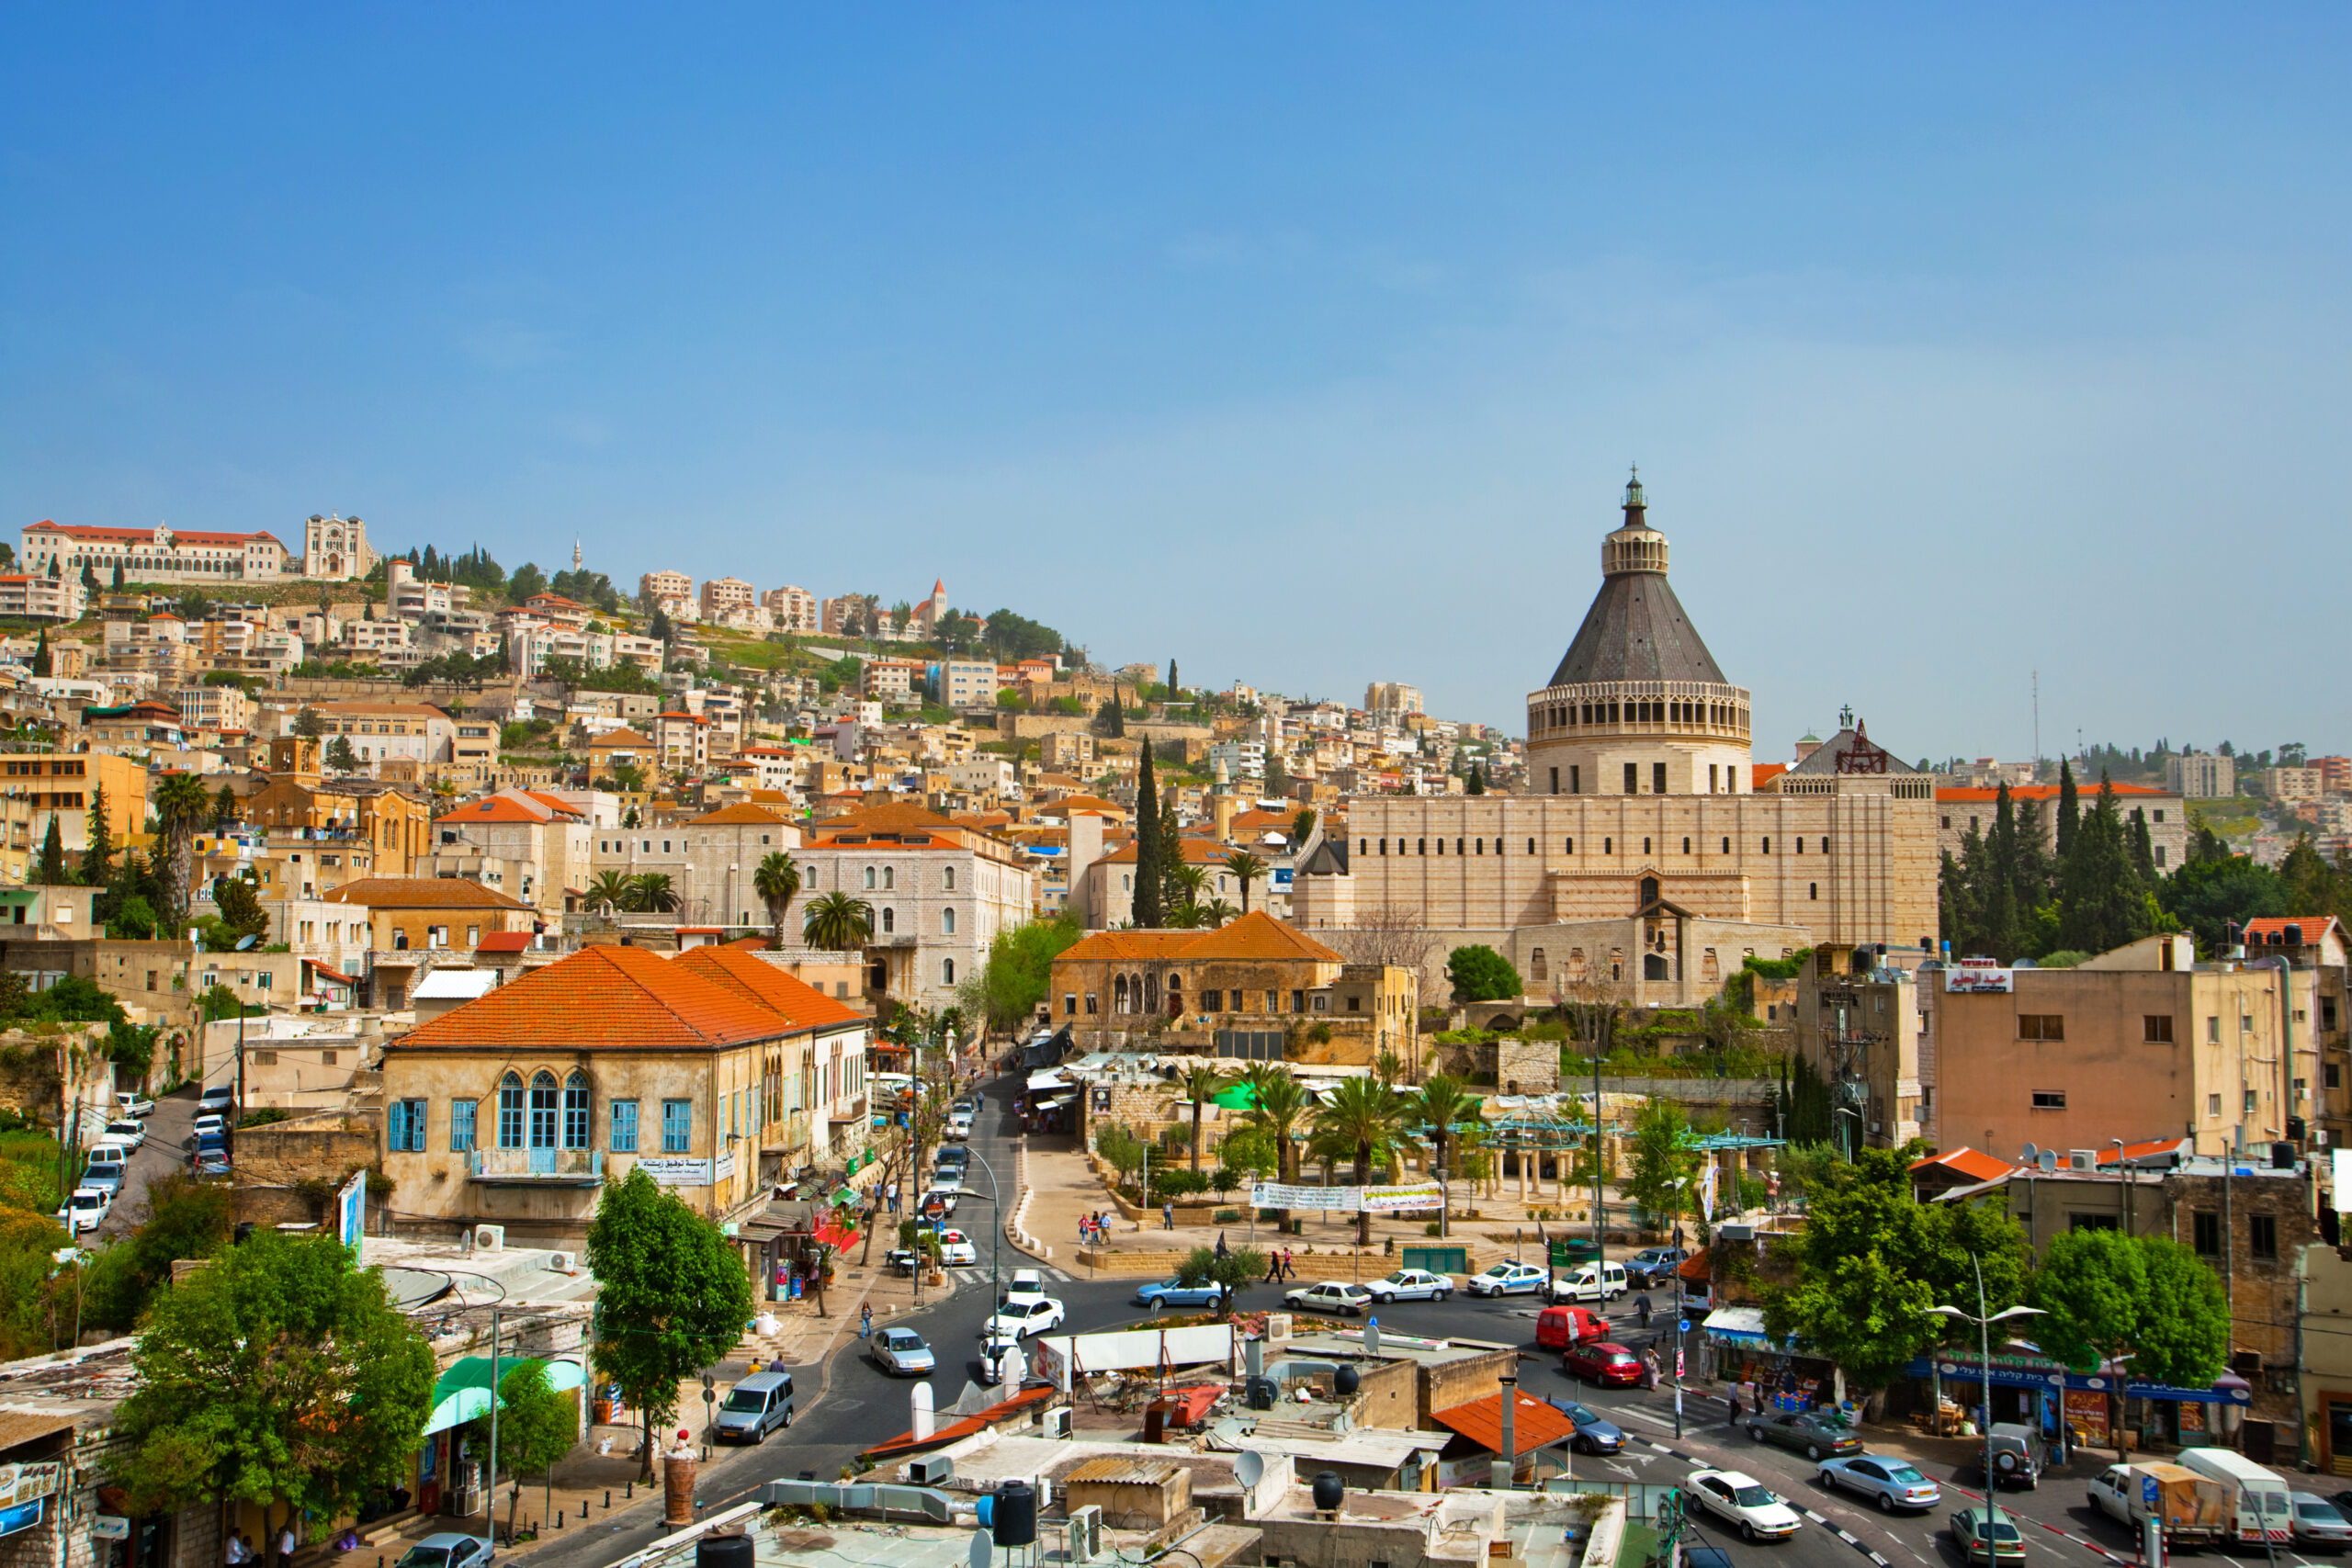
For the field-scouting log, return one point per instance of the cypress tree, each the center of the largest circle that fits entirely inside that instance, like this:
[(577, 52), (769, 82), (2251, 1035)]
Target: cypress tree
[(1477, 779), (52, 858), (2143, 853), (1172, 679), (2101, 904), (97, 855), (1118, 717), (2000, 880), (1149, 865), (2070, 810), (43, 661)]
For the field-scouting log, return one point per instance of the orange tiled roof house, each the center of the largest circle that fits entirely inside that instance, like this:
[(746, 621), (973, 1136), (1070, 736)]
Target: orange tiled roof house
[(715, 1072)]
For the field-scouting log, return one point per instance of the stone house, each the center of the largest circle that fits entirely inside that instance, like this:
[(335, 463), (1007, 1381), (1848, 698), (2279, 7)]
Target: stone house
[(412, 923)]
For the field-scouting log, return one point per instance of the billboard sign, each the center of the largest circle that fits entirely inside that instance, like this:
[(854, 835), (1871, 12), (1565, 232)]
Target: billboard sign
[(1973, 977), (1345, 1199)]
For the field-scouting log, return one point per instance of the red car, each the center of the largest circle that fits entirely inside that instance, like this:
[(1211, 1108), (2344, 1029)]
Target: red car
[(1558, 1328), (1602, 1363)]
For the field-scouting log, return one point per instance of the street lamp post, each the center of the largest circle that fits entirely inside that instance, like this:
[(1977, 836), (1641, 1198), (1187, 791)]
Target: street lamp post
[(1984, 1366)]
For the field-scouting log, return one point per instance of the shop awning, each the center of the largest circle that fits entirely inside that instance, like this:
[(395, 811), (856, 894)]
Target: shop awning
[(463, 1391), (1741, 1326), (1040, 1082), (1057, 1101)]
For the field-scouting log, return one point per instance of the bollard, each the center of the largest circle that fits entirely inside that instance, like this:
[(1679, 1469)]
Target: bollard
[(632, 1489), (559, 1518), (608, 1498)]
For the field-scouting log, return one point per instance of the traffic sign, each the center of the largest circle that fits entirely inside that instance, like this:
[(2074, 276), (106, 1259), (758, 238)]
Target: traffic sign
[(1683, 1327), (2148, 1490)]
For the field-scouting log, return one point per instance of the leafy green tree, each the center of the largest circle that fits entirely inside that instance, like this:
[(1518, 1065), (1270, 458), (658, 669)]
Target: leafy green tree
[(2108, 1295), (132, 918), (528, 581), (1249, 1152), (185, 1219), (52, 857), (281, 1371), (1479, 974), (1477, 779), (1301, 825), (44, 662), (239, 908), (341, 756), (2102, 904), (837, 922), (224, 809), (672, 1299), (2070, 809), (1365, 1117), (97, 854), (1280, 1102), (1246, 868), (1444, 1108), (608, 890), (536, 1425), (1150, 863), (1239, 1267), (1007, 989), (1663, 1169), (308, 725), (776, 882)]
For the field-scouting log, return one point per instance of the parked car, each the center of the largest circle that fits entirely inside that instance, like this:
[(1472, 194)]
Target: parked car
[(212, 1122), (449, 1548), (1980, 1540), (998, 1352), (902, 1351), (2318, 1526), (1595, 1282), (1596, 1434), (1411, 1285), (1171, 1293), (1603, 1362), (1021, 1316), (1809, 1432), (208, 1144), (1558, 1327), (955, 1249), (221, 1099), (105, 1175), (84, 1209), (2019, 1455), (1650, 1265), (208, 1162), (1737, 1498), (132, 1105), (1891, 1484), (1025, 1283), (959, 1124), (754, 1408), (1330, 1295), (938, 1203), (1506, 1279), (128, 1130)]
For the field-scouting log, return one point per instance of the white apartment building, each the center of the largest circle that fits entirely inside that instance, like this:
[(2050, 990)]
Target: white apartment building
[(724, 598), (941, 893), (2201, 775), (409, 731), (795, 609), (1392, 697), (968, 683), (528, 845), (160, 554), (887, 678), (40, 597), (711, 861), (990, 775), (1242, 759), (672, 593), (215, 707)]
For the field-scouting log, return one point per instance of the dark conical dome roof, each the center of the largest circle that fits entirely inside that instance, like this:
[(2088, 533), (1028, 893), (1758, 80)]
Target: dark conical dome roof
[(1636, 629)]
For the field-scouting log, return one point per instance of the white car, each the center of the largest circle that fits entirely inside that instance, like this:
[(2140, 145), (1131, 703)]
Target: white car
[(129, 1131), (86, 1210), (959, 1125), (1738, 1498), (1411, 1285), (1020, 1316), (956, 1248), (134, 1105), (1508, 1280), (1027, 1282), (1331, 1295)]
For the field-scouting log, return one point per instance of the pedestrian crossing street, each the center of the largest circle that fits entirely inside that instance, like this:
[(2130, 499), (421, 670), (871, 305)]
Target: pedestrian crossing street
[(980, 1276)]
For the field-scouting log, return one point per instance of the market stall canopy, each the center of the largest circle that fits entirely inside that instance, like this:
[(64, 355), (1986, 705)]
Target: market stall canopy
[(463, 1391), (1740, 1325)]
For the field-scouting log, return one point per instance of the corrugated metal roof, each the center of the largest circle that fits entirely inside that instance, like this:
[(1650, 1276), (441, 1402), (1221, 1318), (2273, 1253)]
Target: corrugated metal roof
[(1116, 1472)]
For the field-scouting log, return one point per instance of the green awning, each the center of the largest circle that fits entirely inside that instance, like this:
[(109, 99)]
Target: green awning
[(1236, 1097), (463, 1391), (845, 1198)]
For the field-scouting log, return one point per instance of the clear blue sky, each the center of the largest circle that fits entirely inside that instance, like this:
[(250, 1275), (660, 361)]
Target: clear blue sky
[(1308, 344)]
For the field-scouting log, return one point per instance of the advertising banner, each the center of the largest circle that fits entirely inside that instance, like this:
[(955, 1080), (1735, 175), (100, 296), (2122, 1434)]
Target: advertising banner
[(1966, 978), (1346, 1200)]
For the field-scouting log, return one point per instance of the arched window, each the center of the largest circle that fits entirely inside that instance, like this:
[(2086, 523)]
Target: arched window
[(946, 971), (1127, 883), (889, 878), (1646, 846), (889, 919), (1536, 969), (510, 1113), (1175, 993), (1812, 890), (869, 879), (1649, 891), (1118, 993), (947, 922), (575, 1112), (543, 1104), (1800, 843), (947, 877)]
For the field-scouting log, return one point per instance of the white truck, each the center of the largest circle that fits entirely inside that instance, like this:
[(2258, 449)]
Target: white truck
[(2260, 1507), (2196, 1510)]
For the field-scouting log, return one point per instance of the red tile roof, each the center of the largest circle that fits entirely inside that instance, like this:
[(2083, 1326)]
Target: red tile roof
[(1973, 1164), (743, 970), (605, 998), (2272, 929), (505, 942), (738, 815), (147, 535), (421, 893), (1764, 773), (1533, 1424), (497, 809), (1255, 936), (1962, 794), (2143, 1151)]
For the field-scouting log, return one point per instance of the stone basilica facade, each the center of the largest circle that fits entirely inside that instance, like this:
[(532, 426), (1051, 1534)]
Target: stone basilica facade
[(1648, 855)]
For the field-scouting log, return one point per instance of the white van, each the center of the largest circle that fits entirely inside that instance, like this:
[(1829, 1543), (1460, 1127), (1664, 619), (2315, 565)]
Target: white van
[(1593, 1282), (2259, 1496)]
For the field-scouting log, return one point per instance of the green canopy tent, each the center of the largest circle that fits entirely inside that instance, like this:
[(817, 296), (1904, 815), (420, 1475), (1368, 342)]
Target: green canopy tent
[(1236, 1097), (463, 1392)]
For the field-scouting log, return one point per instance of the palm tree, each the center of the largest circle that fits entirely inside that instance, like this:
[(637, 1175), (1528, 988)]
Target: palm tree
[(608, 891), (1387, 1069), (1363, 1115), (1189, 881), (1281, 1100), (837, 922), (1199, 1082), (1442, 1104), (1247, 868), (776, 882), (1216, 912), (181, 808), (650, 893)]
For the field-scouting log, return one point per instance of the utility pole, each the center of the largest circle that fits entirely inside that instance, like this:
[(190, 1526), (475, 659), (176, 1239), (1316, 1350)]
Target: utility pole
[(490, 1472)]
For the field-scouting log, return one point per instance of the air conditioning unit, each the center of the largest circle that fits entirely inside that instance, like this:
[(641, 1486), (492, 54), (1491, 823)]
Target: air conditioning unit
[(1059, 1421), (564, 1263), (490, 1238), (931, 1470), (2082, 1159), (1277, 1326), (1085, 1534)]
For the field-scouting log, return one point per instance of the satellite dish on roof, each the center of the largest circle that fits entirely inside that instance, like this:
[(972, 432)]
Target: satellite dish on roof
[(2049, 1161), (1250, 1468), (983, 1548), (2030, 1154), (243, 943)]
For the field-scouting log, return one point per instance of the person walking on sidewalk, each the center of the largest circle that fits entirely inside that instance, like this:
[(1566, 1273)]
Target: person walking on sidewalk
[(1168, 1216), (1273, 1266), (1735, 1406), (1641, 1309), (866, 1322)]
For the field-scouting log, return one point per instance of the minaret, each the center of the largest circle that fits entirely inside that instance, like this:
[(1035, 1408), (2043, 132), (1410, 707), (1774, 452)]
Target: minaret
[(1221, 800), (575, 552)]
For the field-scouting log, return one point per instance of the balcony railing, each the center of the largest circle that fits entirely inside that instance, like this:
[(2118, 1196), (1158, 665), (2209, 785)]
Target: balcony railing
[(539, 1167)]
